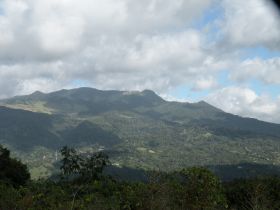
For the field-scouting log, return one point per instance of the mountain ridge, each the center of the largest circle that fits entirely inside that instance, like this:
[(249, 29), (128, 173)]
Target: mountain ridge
[(138, 129), (39, 95)]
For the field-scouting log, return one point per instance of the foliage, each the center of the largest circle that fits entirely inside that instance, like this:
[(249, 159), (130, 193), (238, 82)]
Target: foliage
[(70, 161), (202, 189), (12, 171), (257, 194), (192, 189), (88, 166), (137, 130)]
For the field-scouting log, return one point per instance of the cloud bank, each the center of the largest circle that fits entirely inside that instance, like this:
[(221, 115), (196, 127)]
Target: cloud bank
[(150, 44)]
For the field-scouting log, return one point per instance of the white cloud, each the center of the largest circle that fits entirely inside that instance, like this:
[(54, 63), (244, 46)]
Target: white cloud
[(267, 71), (118, 44), (245, 102), (51, 29), (251, 23), (60, 36), (6, 37), (205, 83), (133, 45), (121, 44), (169, 97)]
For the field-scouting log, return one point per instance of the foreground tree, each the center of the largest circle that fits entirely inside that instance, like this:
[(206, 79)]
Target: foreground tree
[(93, 165), (88, 166), (71, 162), (12, 171), (202, 190)]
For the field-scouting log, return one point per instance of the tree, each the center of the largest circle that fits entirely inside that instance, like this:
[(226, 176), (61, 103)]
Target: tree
[(12, 171), (202, 190), (93, 166), (82, 166), (71, 162)]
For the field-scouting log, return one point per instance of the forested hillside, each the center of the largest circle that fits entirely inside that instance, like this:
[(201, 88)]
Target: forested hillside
[(82, 184), (136, 129)]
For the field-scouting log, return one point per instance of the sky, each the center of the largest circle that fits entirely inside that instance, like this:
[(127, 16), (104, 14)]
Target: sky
[(225, 52)]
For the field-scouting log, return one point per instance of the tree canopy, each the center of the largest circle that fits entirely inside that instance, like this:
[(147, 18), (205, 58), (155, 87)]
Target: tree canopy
[(12, 171), (89, 166)]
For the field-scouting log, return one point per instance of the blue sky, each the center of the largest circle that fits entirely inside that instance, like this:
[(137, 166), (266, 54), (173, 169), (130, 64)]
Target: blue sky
[(222, 51), (212, 15)]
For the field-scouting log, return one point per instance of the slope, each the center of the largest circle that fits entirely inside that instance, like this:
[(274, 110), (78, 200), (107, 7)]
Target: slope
[(137, 129)]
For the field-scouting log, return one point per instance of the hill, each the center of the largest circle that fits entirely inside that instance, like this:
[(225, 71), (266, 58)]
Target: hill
[(137, 129)]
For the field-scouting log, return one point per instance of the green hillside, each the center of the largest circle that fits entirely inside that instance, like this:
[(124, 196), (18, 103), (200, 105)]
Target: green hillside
[(137, 129)]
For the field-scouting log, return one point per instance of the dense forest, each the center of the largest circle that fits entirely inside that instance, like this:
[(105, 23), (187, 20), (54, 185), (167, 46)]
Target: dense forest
[(81, 184), (138, 130)]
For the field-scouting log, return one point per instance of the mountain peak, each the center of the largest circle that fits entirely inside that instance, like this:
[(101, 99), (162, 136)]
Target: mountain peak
[(150, 92), (37, 93), (203, 103)]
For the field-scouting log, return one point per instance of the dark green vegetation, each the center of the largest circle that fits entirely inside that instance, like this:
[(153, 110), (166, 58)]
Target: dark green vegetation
[(12, 171), (136, 129), (83, 186), (88, 166)]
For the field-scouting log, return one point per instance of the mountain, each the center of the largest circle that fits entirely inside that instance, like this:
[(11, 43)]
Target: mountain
[(137, 129)]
